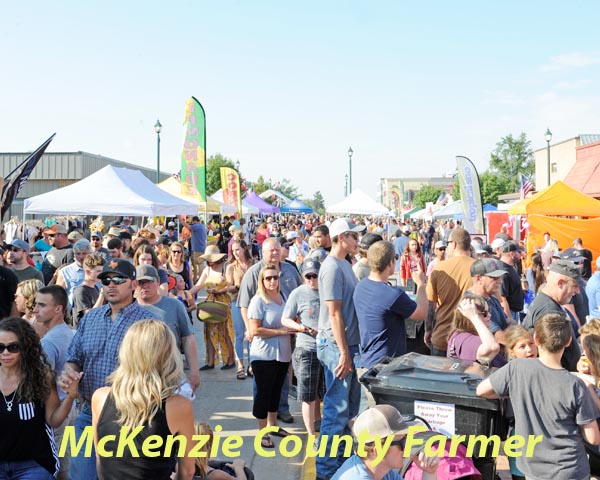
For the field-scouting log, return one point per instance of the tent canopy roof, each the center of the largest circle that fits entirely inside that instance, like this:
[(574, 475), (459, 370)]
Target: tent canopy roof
[(173, 186), (359, 203), (558, 200), (253, 199), (110, 191), (296, 206)]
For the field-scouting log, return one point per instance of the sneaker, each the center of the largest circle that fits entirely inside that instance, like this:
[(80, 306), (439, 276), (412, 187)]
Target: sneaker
[(285, 417)]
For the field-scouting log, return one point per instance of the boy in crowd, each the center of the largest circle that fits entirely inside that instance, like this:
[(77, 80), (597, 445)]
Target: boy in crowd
[(561, 418), (88, 295)]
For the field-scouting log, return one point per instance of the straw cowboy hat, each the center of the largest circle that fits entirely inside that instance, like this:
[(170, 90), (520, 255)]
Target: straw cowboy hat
[(212, 254)]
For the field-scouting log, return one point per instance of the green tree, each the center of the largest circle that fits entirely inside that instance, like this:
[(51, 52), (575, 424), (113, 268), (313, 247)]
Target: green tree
[(317, 203), (213, 172), (427, 193), (493, 185), (513, 156), (261, 185)]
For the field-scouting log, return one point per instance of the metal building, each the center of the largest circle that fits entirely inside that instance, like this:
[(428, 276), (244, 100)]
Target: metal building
[(59, 169)]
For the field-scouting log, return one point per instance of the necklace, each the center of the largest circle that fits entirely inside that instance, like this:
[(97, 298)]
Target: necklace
[(9, 403)]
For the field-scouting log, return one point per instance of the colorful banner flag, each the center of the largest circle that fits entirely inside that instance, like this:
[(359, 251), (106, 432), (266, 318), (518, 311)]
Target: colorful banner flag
[(470, 196), (193, 156), (232, 193), (15, 180)]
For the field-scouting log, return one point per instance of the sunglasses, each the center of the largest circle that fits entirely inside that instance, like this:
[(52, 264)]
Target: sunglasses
[(486, 313), (176, 251), (52, 234), (399, 443), (273, 277), (396, 257), (310, 276), (11, 347), (115, 280)]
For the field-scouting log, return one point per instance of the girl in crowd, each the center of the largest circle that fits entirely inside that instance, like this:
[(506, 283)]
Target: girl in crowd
[(184, 296), (178, 264), (262, 233), (145, 254), (270, 350), (301, 315), (411, 257), (143, 394), (241, 260), (217, 336), (471, 338), (30, 406), (25, 299), (203, 471)]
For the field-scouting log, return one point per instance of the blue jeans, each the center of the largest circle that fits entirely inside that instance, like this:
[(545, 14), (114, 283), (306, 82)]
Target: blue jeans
[(26, 470), (83, 467), (340, 405), (240, 331)]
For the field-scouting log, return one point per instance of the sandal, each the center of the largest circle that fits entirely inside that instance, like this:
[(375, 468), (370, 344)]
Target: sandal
[(206, 367), (228, 366), (281, 433), (241, 374), (266, 442)]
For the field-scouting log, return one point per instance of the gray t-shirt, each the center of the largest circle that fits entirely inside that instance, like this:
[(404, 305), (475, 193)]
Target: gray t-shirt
[(28, 273), (337, 282), (173, 313), (304, 303), (273, 348), (56, 344), (554, 413), (289, 279)]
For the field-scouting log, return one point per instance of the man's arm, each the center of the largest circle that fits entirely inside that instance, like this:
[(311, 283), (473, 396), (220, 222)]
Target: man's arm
[(485, 390), (429, 322), (590, 432), (504, 303), (422, 309), (338, 327), (190, 349)]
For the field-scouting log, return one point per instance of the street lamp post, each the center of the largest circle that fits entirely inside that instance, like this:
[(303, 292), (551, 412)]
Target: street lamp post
[(157, 129), (346, 186), (548, 138), (350, 152)]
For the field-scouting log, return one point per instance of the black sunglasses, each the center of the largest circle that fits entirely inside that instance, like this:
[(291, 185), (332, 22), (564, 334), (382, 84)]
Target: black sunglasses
[(399, 443), (115, 280), (310, 276), (273, 277), (13, 347)]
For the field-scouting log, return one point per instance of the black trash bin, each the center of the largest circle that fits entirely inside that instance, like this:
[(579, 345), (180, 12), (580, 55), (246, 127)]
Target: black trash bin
[(413, 377)]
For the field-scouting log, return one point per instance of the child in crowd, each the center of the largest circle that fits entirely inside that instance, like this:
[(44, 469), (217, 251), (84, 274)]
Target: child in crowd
[(568, 416), (183, 295), (519, 344), (528, 297), (205, 471)]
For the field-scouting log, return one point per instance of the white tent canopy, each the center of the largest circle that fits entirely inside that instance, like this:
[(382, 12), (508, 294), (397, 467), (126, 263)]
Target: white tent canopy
[(270, 192), (110, 191), (449, 211), (358, 203), (247, 209)]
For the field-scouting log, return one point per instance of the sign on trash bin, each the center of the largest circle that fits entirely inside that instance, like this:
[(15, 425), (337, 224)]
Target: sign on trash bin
[(441, 416)]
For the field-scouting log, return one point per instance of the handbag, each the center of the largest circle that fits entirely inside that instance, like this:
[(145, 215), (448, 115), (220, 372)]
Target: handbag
[(211, 311)]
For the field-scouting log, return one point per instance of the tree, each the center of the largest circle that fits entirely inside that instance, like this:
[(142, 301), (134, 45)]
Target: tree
[(284, 186), (427, 193), (213, 172), (513, 156), (317, 203), (261, 185), (493, 185)]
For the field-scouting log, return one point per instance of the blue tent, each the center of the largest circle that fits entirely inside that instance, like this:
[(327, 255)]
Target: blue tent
[(295, 206)]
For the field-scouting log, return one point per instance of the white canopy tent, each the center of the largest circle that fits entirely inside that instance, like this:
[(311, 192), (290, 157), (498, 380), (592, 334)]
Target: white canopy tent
[(449, 211), (358, 203), (270, 192), (247, 209), (110, 191)]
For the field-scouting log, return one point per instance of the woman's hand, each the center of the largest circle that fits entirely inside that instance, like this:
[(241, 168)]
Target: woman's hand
[(583, 365), (468, 308), (427, 464)]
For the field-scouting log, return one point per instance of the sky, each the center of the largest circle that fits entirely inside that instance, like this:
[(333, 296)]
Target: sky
[(289, 86)]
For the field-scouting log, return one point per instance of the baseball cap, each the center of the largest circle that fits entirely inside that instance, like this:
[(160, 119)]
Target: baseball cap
[(291, 235), (573, 256), (509, 247), (119, 267), (484, 248), (311, 265), (18, 243), (95, 233), (114, 231), (381, 421), (488, 267), (565, 267), (341, 225), (59, 228), (124, 235), (498, 243), (369, 239), (440, 244), (146, 272), (74, 236), (171, 224)]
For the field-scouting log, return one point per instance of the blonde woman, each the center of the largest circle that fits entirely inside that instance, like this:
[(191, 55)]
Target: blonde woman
[(178, 264), (204, 471), (25, 298), (143, 393)]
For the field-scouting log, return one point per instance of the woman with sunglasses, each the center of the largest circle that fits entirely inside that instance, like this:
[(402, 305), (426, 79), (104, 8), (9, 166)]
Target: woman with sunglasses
[(270, 350), (301, 314), (178, 264), (471, 337), (217, 336), (29, 407)]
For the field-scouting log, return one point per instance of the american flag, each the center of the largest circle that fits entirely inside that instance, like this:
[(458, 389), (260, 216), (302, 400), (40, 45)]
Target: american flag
[(526, 186)]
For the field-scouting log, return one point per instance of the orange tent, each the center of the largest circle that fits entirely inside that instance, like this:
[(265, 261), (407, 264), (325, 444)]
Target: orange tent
[(546, 211)]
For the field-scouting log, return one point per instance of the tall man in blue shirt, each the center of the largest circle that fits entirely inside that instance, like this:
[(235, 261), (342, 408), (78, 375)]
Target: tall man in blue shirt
[(95, 347)]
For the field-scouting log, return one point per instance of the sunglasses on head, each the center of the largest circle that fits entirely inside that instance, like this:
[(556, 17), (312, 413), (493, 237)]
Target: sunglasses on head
[(116, 280), (13, 347), (311, 276)]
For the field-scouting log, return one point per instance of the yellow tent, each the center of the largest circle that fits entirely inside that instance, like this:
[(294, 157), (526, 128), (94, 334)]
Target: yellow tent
[(173, 186), (558, 200)]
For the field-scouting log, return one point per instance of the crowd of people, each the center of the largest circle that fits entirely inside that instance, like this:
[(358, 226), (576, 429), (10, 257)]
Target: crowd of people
[(312, 302)]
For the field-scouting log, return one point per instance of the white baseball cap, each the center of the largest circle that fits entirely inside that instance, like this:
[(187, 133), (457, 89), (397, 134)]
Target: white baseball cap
[(342, 225)]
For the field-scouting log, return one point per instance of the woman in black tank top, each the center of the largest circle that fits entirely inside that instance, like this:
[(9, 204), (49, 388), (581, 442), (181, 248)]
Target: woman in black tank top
[(142, 397)]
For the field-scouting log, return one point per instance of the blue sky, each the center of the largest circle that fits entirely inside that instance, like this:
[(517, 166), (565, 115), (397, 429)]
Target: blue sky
[(289, 86)]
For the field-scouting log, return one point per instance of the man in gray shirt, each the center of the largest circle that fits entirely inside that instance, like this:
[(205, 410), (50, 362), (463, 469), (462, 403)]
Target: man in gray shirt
[(289, 279), (18, 252)]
